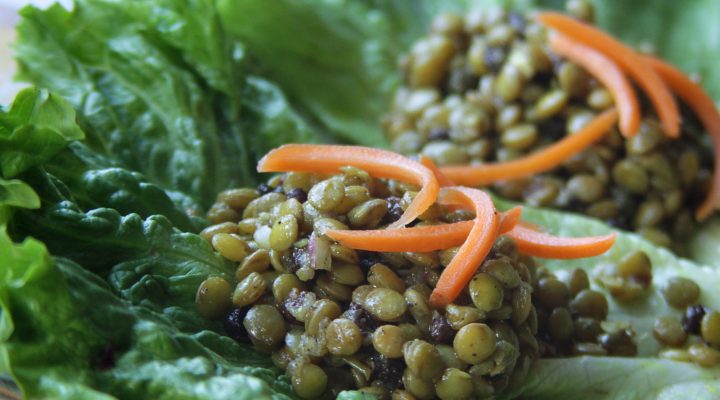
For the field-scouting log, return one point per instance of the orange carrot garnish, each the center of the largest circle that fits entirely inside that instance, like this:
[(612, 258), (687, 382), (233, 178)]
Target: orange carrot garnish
[(442, 179), (702, 104), (629, 60), (540, 161), (476, 247), (378, 163), (538, 244), (608, 73), (417, 238)]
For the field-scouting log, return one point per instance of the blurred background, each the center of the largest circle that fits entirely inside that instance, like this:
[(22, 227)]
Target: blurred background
[(8, 18)]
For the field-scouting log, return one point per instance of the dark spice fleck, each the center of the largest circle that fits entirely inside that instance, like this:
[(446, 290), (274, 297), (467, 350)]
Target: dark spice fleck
[(440, 329), (692, 318), (264, 188), (295, 299), (234, 324), (363, 319), (295, 259), (387, 371), (394, 212), (493, 58), (368, 259), (438, 133), (297, 194)]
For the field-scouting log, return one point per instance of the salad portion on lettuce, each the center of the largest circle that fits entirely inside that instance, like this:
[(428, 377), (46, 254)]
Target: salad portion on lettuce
[(145, 110)]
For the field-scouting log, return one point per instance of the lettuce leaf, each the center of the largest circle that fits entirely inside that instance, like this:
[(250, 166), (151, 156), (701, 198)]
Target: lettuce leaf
[(64, 334), (36, 126), (612, 377), (159, 91)]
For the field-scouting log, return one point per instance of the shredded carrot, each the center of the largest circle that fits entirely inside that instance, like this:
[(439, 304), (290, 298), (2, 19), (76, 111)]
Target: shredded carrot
[(608, 73), (509, 219), (442, 179), (538, 244), (417, 238), (657, 91), (476, 247), (376, 162), (702, 104), (540, 161)]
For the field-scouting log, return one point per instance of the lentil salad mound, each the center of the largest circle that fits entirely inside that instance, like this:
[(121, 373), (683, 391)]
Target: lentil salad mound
[(338, 319), (485, 88)]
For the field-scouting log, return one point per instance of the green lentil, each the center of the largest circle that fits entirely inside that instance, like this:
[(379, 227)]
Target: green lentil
[(519, 137), (669, 331), (249, 290), (710, 329), (308, 380), (704, 356), (326, 195), (680, 292), (380, 275), (454, 384), (265, 326), (385, 304), (474, 343), (422, 359), (589, 303), (257, 261), (343, 337), (388, 340), (212, 230), (213, 297), (486, 292)]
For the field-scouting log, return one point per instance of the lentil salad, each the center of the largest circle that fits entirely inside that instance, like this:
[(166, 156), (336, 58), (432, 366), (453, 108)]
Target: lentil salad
[(102, 303), (485, 88)]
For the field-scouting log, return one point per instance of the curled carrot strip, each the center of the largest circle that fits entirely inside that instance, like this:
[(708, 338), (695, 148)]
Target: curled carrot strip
[(609, 74), (702, 104), (376, 162), (542, 160), (509, 219), (527, 237), (442, 179), (539, 244), (659, 94), (417, 238), (476, 247)]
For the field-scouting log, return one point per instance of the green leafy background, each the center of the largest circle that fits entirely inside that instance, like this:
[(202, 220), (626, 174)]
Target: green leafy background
[(146, 109)]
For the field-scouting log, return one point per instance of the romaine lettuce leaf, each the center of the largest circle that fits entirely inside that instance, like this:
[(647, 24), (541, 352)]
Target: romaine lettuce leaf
[(622, 378), (159, 90), (37, 125), (15, 193), (64, 334)]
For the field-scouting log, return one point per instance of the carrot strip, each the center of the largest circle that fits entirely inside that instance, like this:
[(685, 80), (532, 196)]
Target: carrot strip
[(509, 219), (702, 104), (476, 247), (417, 238), (539, 244), (442, 179), (376, 162), (657, 91), (609, 74), (540, 161)]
